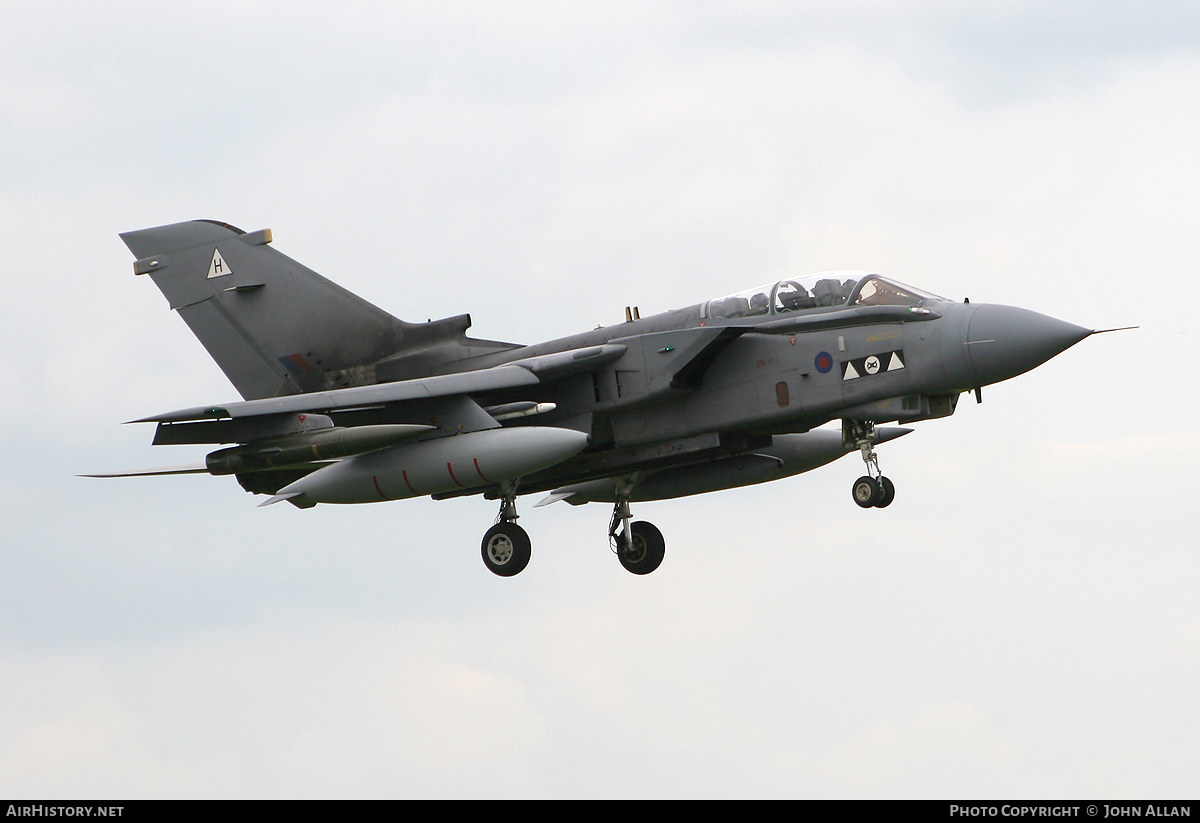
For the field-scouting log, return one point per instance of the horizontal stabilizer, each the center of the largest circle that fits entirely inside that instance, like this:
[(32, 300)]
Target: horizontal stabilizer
[(153, 472)]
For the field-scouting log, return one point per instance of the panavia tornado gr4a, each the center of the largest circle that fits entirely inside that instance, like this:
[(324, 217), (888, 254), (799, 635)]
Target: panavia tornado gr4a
[(344, 403)]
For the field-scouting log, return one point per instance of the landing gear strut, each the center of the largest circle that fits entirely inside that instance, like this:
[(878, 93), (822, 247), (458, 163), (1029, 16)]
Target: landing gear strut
[(872, 490), (506, 547), (638, 545)]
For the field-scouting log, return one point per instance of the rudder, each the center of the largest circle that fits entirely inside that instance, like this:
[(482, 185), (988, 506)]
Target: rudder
[(274, 326)]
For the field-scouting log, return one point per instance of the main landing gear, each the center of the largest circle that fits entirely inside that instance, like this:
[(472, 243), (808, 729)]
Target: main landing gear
[(638, 545), (872, 490), (506, 548)]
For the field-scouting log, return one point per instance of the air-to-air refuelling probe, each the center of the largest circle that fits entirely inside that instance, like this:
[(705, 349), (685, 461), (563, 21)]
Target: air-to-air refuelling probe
[(344, 403)]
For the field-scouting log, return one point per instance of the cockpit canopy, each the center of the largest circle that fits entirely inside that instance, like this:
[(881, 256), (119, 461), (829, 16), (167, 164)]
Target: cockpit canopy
[(817, 291)]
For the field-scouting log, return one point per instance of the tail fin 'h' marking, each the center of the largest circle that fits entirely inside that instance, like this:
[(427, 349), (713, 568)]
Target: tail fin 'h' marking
[(217, 267), (274, 326)]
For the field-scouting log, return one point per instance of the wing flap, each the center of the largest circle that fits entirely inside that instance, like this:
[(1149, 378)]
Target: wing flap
[(531, 371), (500, 377)]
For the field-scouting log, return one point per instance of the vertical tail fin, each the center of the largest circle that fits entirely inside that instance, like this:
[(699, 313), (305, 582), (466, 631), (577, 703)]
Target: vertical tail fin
[(276, 327)]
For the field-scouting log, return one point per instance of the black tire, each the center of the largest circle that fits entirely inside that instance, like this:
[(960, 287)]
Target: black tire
[(648, 548), (866, 491), (887, 493), (506, 549)]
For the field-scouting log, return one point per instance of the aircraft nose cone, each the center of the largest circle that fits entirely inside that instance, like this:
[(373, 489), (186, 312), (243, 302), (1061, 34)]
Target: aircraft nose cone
[(1004, 341)]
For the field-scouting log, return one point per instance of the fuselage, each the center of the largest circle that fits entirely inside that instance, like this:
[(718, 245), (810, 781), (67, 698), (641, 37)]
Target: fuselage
[(790, 371)]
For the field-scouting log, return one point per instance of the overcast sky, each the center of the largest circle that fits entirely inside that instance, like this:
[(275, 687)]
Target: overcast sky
[(1023, 621)]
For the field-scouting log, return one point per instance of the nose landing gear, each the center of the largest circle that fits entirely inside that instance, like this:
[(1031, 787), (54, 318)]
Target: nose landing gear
[(872, 490)]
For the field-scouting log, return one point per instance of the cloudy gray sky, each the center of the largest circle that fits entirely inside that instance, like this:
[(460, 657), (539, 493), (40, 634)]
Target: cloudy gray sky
[(1022, 621)]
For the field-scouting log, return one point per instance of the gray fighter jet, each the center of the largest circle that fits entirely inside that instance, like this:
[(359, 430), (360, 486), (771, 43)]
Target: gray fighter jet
[(344, 403)]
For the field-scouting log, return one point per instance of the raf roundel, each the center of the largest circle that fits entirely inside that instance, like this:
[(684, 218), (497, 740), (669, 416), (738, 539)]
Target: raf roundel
[(824, 362)]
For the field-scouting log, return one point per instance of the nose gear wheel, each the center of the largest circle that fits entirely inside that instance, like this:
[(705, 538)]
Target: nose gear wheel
[(872, 490)]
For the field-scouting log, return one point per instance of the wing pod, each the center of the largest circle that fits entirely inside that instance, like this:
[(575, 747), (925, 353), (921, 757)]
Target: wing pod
[(475, 460), (787, 455)]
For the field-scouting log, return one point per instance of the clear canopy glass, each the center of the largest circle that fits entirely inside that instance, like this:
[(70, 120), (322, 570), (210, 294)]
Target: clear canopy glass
[(817, 291)]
